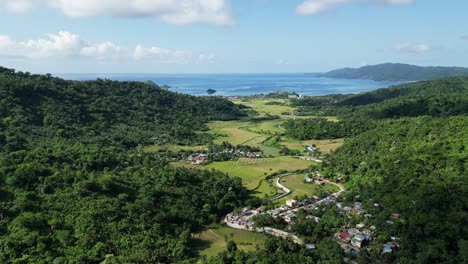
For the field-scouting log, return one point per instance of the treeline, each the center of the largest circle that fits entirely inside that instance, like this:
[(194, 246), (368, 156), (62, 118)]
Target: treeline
[(129, 113), (358, 113), (74, 186)]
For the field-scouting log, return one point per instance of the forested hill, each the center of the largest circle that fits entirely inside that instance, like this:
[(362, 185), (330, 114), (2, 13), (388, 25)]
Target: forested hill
[(406, 149), (397, 72), (74, 188), (129, 113), (442, 97)]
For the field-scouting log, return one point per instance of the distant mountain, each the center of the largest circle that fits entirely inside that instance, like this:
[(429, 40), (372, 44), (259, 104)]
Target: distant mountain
[(397, 72)]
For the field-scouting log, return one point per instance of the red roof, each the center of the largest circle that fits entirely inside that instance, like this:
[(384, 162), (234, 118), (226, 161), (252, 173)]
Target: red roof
[(343, 235)]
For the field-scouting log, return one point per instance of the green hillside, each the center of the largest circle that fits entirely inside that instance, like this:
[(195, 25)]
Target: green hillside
[(75, 187), (405, 148), (397, 72)]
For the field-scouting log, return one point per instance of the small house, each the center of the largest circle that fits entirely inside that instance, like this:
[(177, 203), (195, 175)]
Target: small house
[(343, 236), (291, 203), (310, 246), (360, 226)]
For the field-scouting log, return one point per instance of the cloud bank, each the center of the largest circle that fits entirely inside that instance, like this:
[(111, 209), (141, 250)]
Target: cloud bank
[(317, 7), (171, 11), (413, 48), (65, 45)]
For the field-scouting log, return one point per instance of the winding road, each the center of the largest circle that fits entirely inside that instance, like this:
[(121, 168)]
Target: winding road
[(280, 233)]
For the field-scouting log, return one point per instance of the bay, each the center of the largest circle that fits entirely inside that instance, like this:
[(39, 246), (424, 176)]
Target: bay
[(245, 84)]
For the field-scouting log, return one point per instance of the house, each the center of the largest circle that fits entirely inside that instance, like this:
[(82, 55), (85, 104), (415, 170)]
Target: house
[(289, 218), (310, 150), (353, 231), (360, 226), (343, 236), (307, 179), (320, 182), (395, 216), (310, 246), (316, 219), (389, 247), (360, 241), (291, 203), (368, 232)]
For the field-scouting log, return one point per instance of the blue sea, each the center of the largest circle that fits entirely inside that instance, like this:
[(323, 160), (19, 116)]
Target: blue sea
[(245, 84)]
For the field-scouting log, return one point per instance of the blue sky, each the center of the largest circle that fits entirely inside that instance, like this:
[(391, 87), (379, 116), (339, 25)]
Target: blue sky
[(222, 36)]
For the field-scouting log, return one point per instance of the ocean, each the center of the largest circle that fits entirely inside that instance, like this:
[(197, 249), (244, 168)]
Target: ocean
[(245, 84)]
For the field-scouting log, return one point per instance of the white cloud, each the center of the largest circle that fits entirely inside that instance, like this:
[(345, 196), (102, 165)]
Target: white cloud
[(59, 45), (66, 45), (317, 7), (170, 56), (171, 11), (101, 51), (413, 48), (17, 6)]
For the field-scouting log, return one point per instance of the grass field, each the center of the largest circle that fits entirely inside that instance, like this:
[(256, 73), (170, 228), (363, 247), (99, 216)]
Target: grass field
[(253, 170), (212, 241), (261, 106), (267, 127), (326, 146), (266, 188), (233, 132)]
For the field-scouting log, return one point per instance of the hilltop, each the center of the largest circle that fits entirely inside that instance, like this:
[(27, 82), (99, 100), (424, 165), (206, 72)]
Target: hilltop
[(397, 72)]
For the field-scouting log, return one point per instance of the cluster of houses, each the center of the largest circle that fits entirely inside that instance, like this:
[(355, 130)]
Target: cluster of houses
[(198, 158), (315, 177), (389, 247), (242, 220), (359, 237), (357, 209), (203, 158), (238, 153)]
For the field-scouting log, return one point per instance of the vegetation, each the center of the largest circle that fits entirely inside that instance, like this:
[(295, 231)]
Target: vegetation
[(397, 72), (75, 186), (407, 150), (83, 178)]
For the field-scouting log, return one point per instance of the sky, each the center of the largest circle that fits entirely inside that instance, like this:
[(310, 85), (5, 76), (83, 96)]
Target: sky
[(229, 36)]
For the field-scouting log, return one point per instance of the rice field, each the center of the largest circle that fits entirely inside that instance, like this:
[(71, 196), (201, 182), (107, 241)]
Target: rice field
[(252, 171), (213, 240), (326, 146)]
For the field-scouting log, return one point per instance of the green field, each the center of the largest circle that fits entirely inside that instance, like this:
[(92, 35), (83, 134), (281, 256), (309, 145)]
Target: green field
[(261, 106), (253, 170), (266, 188), (213, 240), (235, 132), (325, 146)]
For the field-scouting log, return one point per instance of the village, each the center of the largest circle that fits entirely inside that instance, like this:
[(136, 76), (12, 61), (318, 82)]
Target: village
[(351, 238), (198, 158)]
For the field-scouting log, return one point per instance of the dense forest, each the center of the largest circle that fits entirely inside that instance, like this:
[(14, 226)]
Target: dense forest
[(397, 72), (76, 187)]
